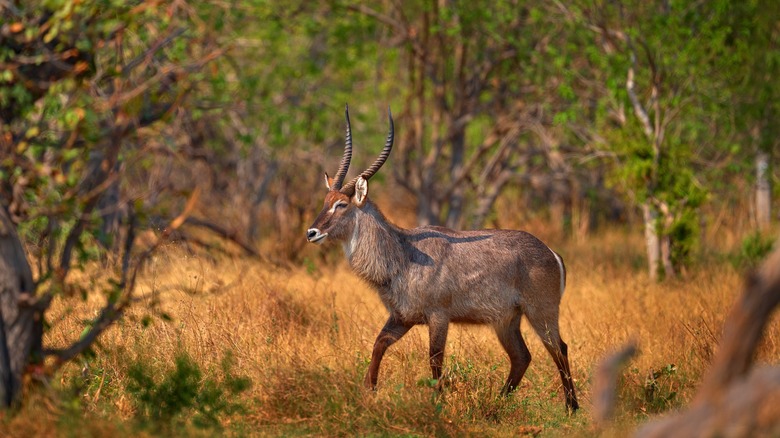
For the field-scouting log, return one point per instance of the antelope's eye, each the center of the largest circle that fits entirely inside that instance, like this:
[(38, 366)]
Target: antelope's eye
[(340, 205)]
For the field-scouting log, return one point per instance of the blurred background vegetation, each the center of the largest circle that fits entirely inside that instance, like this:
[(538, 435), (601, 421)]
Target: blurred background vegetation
[(585, 115)]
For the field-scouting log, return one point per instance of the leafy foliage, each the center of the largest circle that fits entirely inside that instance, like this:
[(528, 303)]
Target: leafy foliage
[(660, 98), (659, 390), (115, 111), (754, 248), (184, 396)]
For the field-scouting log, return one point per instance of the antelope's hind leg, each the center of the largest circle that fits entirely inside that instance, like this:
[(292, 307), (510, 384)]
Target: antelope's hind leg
[(559, 351), (391, 332), (519, 357), (560, 355)]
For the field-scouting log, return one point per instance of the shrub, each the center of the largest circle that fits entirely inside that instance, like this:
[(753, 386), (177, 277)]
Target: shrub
[(754, 248), (184, 395)]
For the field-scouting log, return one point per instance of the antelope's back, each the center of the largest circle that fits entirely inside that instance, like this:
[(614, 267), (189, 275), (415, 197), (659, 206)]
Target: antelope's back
[(485, 269)]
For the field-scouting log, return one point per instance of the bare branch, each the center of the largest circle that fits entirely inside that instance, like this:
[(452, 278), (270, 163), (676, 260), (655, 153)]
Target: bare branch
[(382, 18), (147, 54), (746, 323), (640, 111), (105, 170), (504, 129), (162, 73), (732, 399), (605, 384), (224, 233), (113, 310)]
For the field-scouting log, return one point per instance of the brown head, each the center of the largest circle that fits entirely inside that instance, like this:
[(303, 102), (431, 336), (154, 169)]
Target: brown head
[(341, 201)]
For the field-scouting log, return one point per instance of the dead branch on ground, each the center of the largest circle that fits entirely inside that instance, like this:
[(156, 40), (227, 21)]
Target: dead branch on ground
[(735, 399)]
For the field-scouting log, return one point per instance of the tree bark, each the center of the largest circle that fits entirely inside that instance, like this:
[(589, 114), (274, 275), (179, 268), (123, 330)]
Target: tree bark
[(20, 328), (666, 257), (455, 211), (650, 216), (253, 228), (666, 242), (763, 191)]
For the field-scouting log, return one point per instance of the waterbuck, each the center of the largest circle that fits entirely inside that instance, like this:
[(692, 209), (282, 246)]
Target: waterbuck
[(435, 276)]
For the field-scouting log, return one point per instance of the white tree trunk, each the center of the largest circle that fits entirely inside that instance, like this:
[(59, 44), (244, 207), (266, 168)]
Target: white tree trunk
[(666, 242), (650, 216), (763, 191)]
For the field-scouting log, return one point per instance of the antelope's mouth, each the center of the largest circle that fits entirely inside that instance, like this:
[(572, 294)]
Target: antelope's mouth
[(316, 236)]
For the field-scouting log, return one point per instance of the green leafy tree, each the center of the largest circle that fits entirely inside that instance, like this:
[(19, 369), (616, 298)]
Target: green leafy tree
[(660, 94), (750, 65), (475, 98), (86, 87)]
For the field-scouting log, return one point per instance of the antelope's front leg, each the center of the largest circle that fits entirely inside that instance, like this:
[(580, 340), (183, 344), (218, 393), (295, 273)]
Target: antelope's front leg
[(437, 330), (391, 332)]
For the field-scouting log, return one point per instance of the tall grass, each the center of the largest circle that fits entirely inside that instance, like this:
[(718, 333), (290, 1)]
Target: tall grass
[(303, 337)]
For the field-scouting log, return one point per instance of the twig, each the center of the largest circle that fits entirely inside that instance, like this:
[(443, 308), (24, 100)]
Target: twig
[(112, 311), (641, 113), (151, 50), (224, 233), (7, 5), (118, 133)]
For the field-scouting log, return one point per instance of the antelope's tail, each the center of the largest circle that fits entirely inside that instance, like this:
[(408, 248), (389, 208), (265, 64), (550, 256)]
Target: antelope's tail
[(562, 268)]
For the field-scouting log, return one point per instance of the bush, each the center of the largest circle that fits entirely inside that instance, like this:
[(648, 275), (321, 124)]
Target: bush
[(184, 395), (754, 248)]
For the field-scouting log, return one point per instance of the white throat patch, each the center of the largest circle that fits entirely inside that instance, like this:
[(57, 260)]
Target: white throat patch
[(349, 246)]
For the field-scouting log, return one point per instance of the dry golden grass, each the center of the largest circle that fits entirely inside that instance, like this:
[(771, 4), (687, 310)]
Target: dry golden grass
[(304, 338)]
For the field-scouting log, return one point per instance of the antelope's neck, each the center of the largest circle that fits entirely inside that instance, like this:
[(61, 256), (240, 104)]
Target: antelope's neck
[(374, 250)]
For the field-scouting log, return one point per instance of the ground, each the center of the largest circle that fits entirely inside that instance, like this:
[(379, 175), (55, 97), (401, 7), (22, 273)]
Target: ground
[(302, 335)]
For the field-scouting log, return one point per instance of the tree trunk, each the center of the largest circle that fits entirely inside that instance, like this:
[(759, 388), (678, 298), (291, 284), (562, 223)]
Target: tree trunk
[(666, 257), (763, 192), (651, 239), (253, 227), (20, 328), (455, 210), (580, 210), (426, 212), (666, 243)]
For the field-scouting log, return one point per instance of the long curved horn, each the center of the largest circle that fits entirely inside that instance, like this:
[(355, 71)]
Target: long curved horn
[(346, 158), (349, 189)]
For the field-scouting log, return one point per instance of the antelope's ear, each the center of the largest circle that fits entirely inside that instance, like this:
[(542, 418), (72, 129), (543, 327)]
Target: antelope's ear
[(361, 192), (328, 181)]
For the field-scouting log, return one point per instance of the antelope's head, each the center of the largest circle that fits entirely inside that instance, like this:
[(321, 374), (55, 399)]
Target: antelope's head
[(336, 220)]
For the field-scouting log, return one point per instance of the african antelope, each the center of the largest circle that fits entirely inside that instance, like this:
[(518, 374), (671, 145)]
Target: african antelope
[(435, 276)]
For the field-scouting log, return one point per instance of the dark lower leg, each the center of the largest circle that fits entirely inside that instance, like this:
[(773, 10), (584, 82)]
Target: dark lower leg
[(560, 356)]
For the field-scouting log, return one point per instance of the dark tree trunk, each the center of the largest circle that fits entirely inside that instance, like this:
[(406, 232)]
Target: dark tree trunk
[(20, 332), (259, 195), (456, 199)]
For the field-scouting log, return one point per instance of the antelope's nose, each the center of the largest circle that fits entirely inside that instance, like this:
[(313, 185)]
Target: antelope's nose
[(314, 235)]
